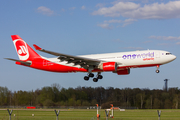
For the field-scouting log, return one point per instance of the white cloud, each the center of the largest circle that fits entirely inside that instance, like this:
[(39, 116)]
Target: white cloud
[(45, 11), (114, 21), (149, 41), (117, 9), (148, 11), (83, 7), (62, 10), (100, 5), (164, 44), (128, 21), (105, 26), (168, 38), (72, 8), (178, 43), (133, 48), (143, 1)]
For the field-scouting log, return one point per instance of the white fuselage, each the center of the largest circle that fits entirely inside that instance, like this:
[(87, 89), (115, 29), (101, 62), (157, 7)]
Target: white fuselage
[(133, 58)]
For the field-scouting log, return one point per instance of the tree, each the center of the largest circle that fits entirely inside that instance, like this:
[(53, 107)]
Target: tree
[(175, 101), (23, 98), (71, 102), (85, 96), (56, 88), (48, 102), (46, 93), (78, 103), (142, 99), (85, 103), (148, 104), (167, 104), (157, 104), (4, 92), (94, 102)]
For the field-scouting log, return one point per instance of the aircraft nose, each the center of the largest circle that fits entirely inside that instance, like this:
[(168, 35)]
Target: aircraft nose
[(174, 57)]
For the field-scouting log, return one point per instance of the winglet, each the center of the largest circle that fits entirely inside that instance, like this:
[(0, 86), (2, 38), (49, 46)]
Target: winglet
[(37, 47)]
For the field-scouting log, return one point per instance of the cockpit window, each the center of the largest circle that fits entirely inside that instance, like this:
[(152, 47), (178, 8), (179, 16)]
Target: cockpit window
[(168, 53)]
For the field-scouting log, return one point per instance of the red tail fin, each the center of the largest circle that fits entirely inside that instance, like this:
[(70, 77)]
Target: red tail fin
[(24, 51)]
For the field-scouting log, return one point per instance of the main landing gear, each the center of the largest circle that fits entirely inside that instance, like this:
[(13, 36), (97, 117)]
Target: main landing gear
[(157, 71), (89, 75), (98, 76)]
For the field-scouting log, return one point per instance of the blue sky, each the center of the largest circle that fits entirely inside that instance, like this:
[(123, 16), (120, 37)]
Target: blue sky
[(90, 27)]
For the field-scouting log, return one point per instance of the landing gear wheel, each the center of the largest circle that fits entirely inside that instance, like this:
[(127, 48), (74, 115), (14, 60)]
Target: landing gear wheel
[(95, 79), (91, 75), (86, 78), (100, 77), (157, 71)]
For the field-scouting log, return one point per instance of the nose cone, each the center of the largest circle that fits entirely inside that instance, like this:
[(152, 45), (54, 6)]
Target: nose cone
[(173, 57), (170, 58)]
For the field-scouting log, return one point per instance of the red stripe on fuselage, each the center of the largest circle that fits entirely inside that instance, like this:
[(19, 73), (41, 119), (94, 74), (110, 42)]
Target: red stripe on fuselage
[(54, 67), (42, 64), (46, 65)]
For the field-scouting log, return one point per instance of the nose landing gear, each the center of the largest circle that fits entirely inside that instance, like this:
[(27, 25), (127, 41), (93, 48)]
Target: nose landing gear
[(157, 71)]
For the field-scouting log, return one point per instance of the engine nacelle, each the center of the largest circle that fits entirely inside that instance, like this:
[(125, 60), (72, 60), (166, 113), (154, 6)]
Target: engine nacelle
[(108, 66), (123, 72)]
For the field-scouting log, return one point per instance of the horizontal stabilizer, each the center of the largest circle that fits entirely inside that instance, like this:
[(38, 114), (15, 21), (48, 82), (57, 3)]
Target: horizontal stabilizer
[(25, 63), (37, 47)]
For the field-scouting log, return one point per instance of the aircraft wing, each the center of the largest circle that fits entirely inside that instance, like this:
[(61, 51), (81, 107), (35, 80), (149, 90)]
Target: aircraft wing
[(23, 62), (82, 61)]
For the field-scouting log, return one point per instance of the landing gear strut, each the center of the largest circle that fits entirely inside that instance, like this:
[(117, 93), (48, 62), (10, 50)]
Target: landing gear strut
[(157, 71), (98, 76)]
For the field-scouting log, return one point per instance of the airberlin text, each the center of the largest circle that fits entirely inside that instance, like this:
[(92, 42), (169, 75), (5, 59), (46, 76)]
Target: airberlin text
[(145, 56)]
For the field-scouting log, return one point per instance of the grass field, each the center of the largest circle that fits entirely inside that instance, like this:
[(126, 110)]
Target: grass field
[(74, 114)]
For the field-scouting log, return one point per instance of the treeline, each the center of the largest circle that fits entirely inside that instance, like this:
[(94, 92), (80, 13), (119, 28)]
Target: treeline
[(55, 95)]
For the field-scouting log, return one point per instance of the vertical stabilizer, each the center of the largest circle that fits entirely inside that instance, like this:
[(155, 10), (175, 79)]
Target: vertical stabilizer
[(24, 51)]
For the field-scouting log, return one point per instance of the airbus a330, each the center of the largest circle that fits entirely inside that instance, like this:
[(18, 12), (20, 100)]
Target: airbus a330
[(119, 63)]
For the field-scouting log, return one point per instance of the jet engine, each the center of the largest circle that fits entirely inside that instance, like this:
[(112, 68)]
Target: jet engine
[(108, 66), (123, 72)]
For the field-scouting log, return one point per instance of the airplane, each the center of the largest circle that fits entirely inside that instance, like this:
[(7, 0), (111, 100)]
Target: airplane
[(119, 63)]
